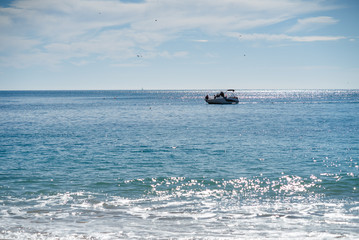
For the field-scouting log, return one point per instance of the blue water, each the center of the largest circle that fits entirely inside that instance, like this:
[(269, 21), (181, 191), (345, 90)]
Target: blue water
[(164, 164)]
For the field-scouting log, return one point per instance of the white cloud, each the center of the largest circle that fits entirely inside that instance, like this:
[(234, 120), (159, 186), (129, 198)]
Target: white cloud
[(17, 43), (180, 54), (314, 23), (52, 31), (200, 40), (315, 38), (283, 37), (80, 63)]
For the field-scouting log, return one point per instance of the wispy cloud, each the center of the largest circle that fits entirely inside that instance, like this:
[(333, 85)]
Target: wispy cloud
[(51, 31), (315, 38), (314, 23), (200, 40), (283, 37)]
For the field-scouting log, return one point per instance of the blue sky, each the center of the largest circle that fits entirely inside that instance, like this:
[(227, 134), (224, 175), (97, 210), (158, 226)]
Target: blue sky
[(179, 44)]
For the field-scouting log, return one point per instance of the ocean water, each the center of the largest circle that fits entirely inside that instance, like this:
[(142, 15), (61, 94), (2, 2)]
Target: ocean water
[(166, 165)]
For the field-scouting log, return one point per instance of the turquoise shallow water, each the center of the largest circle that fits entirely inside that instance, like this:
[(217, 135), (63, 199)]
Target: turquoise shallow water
[(164, 164)]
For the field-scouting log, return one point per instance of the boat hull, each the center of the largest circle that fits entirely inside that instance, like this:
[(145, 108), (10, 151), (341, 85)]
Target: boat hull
[(222, 101)]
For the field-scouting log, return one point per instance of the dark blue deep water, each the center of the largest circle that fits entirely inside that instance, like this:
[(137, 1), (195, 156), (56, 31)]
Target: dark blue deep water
[(164, 164)]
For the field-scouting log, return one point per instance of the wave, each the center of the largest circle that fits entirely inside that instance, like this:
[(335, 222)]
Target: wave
[(178, 207)]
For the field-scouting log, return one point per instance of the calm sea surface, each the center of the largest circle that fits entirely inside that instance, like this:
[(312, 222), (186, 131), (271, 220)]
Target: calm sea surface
[(164, 164)]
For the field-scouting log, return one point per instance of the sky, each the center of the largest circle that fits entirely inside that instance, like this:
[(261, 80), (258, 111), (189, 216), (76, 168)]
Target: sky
[(179, 44)]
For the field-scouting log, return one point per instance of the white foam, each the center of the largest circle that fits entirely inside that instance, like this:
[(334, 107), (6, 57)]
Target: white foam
[(207, 213)]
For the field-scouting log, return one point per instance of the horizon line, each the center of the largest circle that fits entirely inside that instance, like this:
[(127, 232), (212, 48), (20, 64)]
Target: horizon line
[(181, 89)]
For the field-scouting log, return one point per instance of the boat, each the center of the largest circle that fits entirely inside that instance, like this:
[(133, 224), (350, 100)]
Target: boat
[(228, 97)]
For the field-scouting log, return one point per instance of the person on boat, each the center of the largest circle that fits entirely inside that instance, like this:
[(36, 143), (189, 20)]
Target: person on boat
[(206, 97)]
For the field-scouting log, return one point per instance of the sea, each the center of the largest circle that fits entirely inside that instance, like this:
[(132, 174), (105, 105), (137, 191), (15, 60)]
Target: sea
[(164, 164)]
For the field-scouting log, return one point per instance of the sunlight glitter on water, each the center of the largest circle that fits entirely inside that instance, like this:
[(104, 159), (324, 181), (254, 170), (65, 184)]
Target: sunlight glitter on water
[(205, 213)]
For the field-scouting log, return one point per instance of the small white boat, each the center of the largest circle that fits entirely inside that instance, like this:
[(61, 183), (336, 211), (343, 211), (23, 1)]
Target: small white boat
[(228, 97)]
